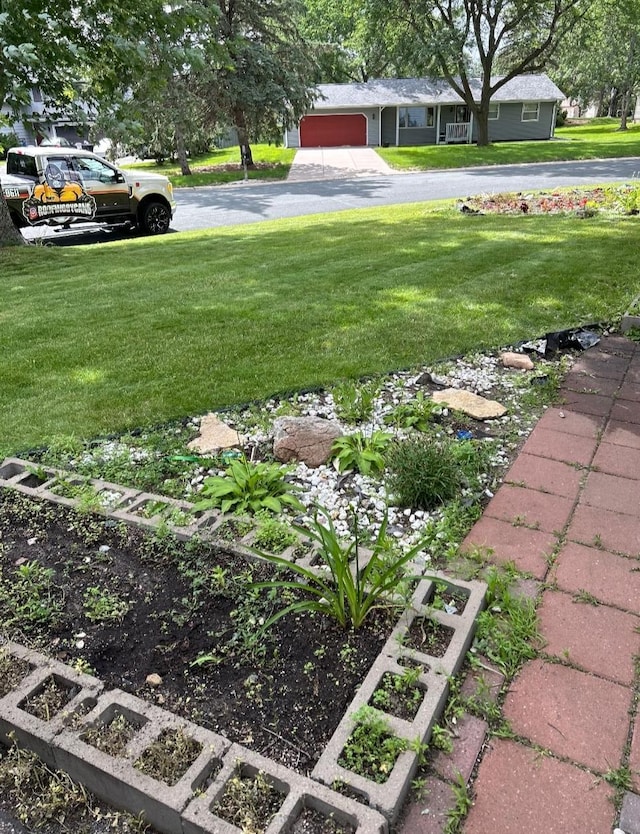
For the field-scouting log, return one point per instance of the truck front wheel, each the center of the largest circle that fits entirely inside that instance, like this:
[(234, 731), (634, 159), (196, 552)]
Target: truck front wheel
[(155, 218)]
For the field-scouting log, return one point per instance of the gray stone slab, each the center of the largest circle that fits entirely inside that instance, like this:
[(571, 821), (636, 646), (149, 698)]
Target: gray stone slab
[(630, 813)]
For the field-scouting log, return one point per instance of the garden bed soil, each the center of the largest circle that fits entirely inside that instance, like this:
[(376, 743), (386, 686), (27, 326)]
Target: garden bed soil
[(281, 693)]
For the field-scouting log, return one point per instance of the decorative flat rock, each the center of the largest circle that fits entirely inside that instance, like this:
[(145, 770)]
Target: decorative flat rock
[(477, 407), (306, 439), (517, 360), (214, 435)]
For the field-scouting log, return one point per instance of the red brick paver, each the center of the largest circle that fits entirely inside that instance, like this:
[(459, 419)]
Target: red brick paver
[(611, 579), (531, 508), (574, 493), (574, 715), (596, 638), (545, 475), (558, 445), (617, 532), (520, 791), (527, 549)]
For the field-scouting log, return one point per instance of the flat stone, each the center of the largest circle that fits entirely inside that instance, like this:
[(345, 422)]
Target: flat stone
[(475, 406), (616, 461), (306, 439), (564, 710), (214, 435), (630, 814), (622, 434), (521, 791), (517, 360)]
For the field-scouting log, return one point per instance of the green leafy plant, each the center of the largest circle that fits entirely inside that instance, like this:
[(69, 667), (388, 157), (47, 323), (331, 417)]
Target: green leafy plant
[(248, 487), (372, 749), (507, 631), (364, 453), (399, 693), (273, 535), (100, 605), (461, 808), (353, 403), (418, 414), (29, 598), (347, 592)]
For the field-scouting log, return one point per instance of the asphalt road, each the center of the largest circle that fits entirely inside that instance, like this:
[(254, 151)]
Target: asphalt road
[(204, 208), (209, 207)]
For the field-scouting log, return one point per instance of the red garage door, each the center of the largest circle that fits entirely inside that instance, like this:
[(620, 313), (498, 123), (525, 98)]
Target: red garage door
[(333, 131)]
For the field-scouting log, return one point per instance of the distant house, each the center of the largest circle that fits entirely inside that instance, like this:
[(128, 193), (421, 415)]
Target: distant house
[(37, 123), (424, 111)]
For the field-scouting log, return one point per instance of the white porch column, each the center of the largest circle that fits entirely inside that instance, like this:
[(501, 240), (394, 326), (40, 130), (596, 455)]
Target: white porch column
[(438, 125)]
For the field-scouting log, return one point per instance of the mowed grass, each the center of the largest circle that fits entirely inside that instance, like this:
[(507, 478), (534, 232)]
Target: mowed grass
[(598, 139), (98, 339), (276, 158)]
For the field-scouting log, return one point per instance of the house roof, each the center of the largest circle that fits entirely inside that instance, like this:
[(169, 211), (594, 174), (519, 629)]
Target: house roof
[(389, 92)]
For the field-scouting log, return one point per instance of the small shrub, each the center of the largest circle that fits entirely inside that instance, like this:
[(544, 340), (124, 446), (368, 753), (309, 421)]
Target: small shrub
[(423, 473), (29, 598)]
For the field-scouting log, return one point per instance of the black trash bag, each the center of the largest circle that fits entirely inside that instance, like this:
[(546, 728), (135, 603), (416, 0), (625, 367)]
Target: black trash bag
[(577, 339)]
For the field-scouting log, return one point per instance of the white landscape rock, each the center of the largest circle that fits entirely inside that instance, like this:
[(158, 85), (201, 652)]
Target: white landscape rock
[(214, 435), (475, 406)]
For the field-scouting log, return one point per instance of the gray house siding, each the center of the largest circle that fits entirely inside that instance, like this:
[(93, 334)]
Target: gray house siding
[(509, 126)]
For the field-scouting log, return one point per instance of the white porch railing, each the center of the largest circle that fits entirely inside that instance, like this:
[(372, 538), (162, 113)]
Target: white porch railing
[(459, 132)]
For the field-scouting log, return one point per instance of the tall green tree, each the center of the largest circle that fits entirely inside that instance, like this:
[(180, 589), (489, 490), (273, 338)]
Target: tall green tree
[(266, 80), (600, 63), (459, 39)]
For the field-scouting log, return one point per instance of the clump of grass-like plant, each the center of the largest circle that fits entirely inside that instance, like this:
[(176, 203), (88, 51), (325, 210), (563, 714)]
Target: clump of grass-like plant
[(346, 586), (422, 473)]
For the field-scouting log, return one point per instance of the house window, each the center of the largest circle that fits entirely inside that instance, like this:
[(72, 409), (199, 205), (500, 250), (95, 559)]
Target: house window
[(494, 112), (530, 111), (36, 95), (417, 116)]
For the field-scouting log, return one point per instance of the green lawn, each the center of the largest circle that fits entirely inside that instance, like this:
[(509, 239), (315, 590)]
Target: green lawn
[(98, 339), (277, 159), (599, 139)]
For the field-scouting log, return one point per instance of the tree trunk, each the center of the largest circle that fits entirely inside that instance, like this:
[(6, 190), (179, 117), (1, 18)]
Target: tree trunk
[(246, 156), (624, 106), (181, 152), (9, 235), (482, 126)]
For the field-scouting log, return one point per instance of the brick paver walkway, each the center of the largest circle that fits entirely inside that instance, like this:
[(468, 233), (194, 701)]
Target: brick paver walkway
[(569, 514)]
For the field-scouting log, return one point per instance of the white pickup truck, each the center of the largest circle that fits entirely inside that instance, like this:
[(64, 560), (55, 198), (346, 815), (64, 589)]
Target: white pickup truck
[(60, 186)]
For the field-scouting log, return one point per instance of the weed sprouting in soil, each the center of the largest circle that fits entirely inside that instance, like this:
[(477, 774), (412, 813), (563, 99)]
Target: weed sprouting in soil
[(169, 757)]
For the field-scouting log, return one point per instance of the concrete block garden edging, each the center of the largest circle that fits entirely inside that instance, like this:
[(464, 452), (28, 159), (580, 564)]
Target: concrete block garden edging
[(186, 807)]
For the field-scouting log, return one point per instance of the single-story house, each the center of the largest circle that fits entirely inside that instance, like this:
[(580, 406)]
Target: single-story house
[(423, 111)]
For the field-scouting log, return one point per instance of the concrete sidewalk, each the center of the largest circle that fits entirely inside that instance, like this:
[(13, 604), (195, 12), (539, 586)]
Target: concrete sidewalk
[(337, 163), (568, 514)]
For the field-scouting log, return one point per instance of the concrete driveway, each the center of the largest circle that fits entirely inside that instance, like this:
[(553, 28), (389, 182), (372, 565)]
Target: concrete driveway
[(336, 163)]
